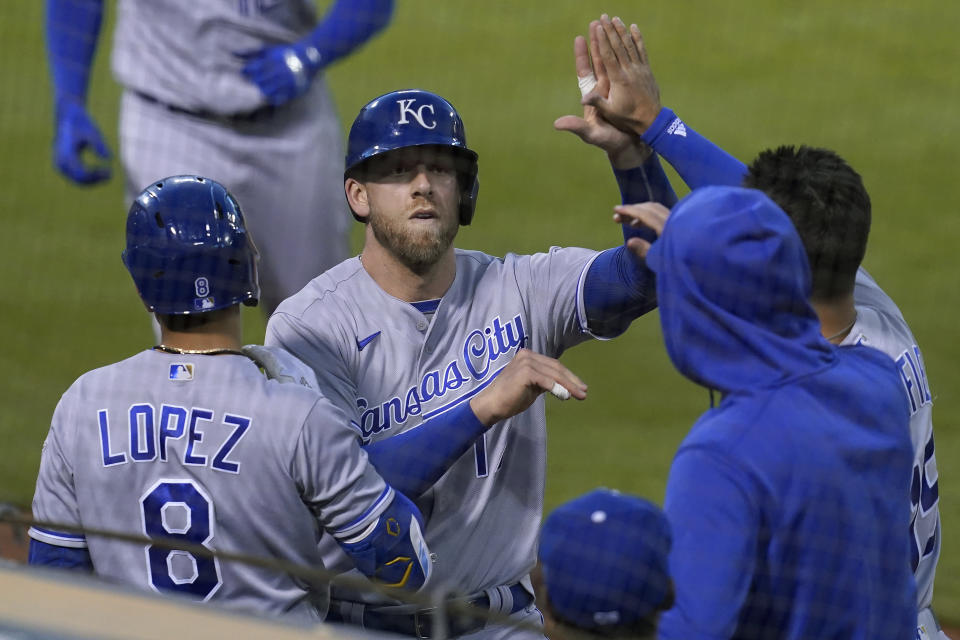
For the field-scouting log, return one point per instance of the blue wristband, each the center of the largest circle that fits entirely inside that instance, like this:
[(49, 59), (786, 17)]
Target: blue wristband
[(699, 162)]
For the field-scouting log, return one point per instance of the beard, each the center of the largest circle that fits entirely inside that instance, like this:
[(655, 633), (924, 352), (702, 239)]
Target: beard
[(416, 248)]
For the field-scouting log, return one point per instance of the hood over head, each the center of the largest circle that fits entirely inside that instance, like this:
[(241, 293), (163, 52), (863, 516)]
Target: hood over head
[(733, 284)]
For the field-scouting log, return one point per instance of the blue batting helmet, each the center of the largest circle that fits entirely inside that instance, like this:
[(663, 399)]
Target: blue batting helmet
[(604, 561), (188, 249), (413, 118)]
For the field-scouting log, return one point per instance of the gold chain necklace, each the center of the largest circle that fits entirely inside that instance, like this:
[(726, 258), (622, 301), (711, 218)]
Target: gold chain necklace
[(198, 352), (843, 331)]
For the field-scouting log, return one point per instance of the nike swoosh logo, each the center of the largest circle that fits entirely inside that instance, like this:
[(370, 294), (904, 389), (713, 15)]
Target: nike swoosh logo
[(362, 343)]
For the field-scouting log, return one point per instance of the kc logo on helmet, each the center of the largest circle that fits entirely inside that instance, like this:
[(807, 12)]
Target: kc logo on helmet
[(405, 109)]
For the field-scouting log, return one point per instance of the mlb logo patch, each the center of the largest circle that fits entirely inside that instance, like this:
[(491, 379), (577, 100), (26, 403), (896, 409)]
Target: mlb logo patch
[(181, 371), (202, 304)]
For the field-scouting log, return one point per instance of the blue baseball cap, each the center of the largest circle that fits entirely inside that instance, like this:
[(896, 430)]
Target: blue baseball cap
[(604, 560)]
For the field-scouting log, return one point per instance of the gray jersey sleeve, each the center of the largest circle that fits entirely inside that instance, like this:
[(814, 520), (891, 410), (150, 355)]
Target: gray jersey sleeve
[(338, 482), (288, 332), (55, 499), (552, 285)]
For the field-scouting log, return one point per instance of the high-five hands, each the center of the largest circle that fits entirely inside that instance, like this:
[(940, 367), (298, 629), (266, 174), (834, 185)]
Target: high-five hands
[(632, 100), (625, 150)]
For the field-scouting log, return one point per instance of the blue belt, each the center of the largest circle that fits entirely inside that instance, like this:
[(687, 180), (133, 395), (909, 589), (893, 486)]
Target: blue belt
[(419, 624)]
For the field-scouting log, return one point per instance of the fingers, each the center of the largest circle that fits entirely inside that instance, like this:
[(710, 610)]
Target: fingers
[(581, 57), (585, 76), (626, 43), (520, 383), (650, 214), (603, 81), (607, 55), (638, 43), (545, 372), (559, 391), (100, 147), (614, 42), (638, 247), (573, 124)]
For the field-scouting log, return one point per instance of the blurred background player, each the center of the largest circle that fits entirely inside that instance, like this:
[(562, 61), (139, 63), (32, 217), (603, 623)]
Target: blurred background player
[(188, 441), (229, 89), (831, 210), (788, 501), (414, 328), (602, 568)]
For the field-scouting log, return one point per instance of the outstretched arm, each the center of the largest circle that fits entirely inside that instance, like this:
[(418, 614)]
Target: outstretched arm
[(633, 107), (283, 72), (414, 460), (618, 288), (72, 30)]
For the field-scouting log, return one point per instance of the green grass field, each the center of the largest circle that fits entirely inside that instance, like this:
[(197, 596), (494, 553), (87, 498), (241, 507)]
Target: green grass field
[(877, 81)]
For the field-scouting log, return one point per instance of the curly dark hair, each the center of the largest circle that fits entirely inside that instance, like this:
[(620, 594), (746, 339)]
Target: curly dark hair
[(829, 206)]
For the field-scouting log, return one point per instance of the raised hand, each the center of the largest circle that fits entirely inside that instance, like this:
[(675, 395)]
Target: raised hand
[(625, 150), (520, 383), (633, 99)]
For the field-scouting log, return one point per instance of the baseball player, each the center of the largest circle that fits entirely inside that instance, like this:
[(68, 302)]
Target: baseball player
[(788, 500), (414, 328), (602, 568), (230, 89), (830, 207), (188, 441)]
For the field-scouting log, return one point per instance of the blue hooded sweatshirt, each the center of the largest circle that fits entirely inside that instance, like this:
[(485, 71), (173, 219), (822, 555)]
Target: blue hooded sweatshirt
[(789, 501)]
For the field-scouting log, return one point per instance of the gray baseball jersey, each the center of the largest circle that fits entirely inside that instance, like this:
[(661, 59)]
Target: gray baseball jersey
[(398, 367), (206, 449), (285, 167), (881, 325)]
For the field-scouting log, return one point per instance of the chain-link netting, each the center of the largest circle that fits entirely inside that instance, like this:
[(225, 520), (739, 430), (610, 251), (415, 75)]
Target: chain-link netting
[(797, 474)]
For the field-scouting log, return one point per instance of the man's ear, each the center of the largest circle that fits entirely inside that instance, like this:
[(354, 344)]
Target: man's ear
[(356, 194)]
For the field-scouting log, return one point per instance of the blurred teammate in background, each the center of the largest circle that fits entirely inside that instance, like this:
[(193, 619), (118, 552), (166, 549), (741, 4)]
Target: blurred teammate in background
[(229, 89), (602, 568), (788, 501), (188, 441), (414, 328), (828, 204)]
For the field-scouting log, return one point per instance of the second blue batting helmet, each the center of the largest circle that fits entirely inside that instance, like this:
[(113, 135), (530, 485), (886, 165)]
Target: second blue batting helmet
[(413, 118), (188, 248)]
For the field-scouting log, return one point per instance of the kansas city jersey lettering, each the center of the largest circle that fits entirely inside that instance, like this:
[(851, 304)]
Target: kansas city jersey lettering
[(914, 378), (481, 348), (151, 432)]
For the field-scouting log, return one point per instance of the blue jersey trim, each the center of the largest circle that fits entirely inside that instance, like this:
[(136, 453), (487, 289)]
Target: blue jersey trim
[(44, 554), (60, 534), (426, 306), (385, 496)]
